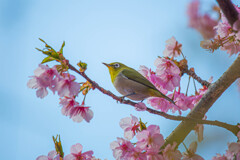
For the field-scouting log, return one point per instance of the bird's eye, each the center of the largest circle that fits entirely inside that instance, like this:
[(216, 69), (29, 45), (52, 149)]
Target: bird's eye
[(117, 65)]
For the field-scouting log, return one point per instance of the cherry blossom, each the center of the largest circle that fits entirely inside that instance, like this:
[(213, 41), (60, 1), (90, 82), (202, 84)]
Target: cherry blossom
[(190, 153), (145, 71), (171, 153), (80, 112), (227, 156), (229, 37), (122, 148), (168, 74), (130, 125), (182, 101), (42, 79), (150, 138), (202, 23), (234, 148), (65, 85), (137, 154), (166, 65), (67, 104), (52, 155), (71, 108), (140, 106), (170, 81), (162, 104), (76, 153), (153, 154), (173, 48)]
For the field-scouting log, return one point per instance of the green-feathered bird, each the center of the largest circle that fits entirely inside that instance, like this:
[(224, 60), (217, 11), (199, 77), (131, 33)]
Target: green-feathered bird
[(130, 83)]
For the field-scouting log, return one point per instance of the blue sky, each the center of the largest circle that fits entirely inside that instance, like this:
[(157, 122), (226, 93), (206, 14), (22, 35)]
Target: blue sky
[(132, 32)]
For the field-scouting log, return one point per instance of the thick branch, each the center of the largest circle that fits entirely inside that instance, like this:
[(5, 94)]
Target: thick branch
[(214, 92), (228, 10), (233, 128)]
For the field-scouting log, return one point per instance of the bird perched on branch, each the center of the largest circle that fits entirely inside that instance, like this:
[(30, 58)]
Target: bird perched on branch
[(130, 83)]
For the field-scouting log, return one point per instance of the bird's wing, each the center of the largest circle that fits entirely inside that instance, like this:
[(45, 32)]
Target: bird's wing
[(133, 75)]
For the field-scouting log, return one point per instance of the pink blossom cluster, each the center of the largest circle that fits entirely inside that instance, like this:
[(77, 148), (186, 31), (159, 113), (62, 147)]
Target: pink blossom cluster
[(45, 77), (202, 23), (77, 112), (230, 36), (76, 154), (148, 145), (166, 79), (66, 87)]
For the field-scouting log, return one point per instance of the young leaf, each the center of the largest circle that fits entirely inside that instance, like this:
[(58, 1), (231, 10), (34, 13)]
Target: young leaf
[(47, 59)]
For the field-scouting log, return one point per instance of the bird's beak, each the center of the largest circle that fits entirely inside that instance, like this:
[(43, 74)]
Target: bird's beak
[(108, 65)]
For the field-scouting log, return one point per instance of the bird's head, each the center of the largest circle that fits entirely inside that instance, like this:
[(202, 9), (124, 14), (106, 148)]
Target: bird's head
[(115, 68)]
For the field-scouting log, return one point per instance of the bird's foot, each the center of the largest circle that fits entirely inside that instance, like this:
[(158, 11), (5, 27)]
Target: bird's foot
[(121, 99)]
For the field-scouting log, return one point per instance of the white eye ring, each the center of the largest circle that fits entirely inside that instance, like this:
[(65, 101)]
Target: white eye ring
[(117, 65)]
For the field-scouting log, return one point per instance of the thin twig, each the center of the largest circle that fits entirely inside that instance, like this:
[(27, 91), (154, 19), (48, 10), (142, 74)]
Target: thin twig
[(194, 76)]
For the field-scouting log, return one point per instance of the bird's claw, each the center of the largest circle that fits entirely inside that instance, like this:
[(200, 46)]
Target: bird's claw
[(121, 99)]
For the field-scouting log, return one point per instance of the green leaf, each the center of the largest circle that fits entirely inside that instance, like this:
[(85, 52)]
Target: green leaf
[(39, 49), (55, 55), (47, 59), (61, 50), (42, 40)]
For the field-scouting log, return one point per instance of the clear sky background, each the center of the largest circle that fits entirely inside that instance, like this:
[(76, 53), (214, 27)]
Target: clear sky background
[(129, 31)]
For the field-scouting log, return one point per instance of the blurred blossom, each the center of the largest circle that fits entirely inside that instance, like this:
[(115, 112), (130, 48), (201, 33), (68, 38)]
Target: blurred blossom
[(170, 152), (121, 148), (230, 38), (52, 155), (202, 23), (77, 154), (43, 78)]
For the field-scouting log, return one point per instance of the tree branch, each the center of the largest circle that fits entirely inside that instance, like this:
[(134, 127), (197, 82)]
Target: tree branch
[(233, 128), (228, 10), (214, 92), (194, 76)]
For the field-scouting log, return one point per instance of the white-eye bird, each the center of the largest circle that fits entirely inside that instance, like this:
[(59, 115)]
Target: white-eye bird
[(130, 83)]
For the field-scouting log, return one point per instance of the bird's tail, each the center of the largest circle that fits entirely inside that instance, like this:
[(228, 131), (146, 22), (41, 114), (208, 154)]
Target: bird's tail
[(159, 94), (169, 99)]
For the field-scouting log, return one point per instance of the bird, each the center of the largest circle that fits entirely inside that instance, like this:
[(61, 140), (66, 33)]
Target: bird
[(131, 84)]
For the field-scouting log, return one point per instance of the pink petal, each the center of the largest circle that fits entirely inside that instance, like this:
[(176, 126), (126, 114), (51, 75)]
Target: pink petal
[(69, 157), (76, 149), (88, 115), (140, 106), (128, 134), (42, 92), (32, 83), (125, 123), (42, 158), (78, 118)]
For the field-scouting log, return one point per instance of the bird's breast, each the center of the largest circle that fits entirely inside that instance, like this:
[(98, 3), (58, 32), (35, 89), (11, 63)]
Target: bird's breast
[(126, 86)]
